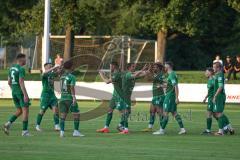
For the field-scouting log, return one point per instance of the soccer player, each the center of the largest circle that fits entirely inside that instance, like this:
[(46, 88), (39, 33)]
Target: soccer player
[(68, 100), (210, 85), (116, 79), (128, 83), (171, 100), (48, 98), (219, 99), (19, 93), (158, 95)]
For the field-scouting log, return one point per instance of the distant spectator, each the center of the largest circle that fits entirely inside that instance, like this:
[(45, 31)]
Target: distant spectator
[(228, 67), (218, 59), (236, 67), (58, 60)]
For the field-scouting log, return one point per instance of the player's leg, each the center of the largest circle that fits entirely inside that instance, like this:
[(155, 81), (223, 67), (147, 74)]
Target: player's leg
[(76, 120), (180, 122), (220, 118), (126, 113), (164, 123), (25, 114), (56, 117), (153, 110), (39, 119), (64, 107)]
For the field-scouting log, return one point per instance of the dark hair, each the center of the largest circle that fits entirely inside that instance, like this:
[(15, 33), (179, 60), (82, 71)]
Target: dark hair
[(20, 55), (210, 69), (169, 63), (129, 65), (46, 64), (159, 65), (115, 64), (67, 65)]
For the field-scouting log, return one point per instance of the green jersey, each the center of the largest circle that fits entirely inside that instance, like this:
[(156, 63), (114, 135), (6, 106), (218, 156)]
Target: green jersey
[(157, 80), (210, 86), (117, 83), (219, 82), (128, 83), (48, 82), (67, 81), (172, 81), (15, 73)]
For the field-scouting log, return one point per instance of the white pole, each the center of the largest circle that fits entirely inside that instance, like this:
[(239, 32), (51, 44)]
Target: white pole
[(45, 44)]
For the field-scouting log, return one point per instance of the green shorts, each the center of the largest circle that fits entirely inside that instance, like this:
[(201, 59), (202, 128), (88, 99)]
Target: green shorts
[(115, 103), (126, 104), (18, 100), (169, 104), (48, 101), (219, 105), (158, 101), (210, 106), (66, 105)]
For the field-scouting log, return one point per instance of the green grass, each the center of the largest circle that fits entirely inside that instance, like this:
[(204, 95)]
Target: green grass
[(135, 146), (184, 77)]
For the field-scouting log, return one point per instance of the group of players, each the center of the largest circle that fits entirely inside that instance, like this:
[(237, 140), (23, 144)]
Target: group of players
[(164, 89)]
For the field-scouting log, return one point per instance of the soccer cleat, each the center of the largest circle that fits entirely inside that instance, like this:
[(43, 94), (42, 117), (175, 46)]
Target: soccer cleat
[(6, 129), (38, 128), (25, 133), (125, 131), (159, 132), (120, 128), (206, 132), (76, 133), (103, 130), (218, 134), (56, 127), (61, 134), (182, 131), (147, 130), (231, 131)]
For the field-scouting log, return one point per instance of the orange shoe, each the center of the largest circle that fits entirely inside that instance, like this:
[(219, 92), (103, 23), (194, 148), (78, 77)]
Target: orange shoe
[(125, 131), (103, 130)]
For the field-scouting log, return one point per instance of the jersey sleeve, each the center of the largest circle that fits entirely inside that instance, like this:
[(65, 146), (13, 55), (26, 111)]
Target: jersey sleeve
[(173, 79), (129, 76), (73, 81), (21, 73), (220, 81)]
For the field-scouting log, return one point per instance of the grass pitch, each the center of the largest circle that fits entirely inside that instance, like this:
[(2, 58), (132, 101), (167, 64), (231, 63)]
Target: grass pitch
[(137, 145)]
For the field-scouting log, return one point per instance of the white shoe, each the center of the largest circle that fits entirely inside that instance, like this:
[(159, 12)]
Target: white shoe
[(56, 127), (25, 133), (76, 133), (159, 132), (38, 128), (61, 134), (182, 131)]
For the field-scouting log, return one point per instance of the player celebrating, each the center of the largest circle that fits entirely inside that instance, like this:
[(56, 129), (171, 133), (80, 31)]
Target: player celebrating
[(19, 93), (68, 100), (171, 100), (219, 99), (116, 79), (128, 83), (210, 85), (158, 95), (48, 98)]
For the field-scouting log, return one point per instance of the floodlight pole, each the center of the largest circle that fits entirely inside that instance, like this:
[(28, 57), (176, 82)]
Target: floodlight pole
[(45, 44)]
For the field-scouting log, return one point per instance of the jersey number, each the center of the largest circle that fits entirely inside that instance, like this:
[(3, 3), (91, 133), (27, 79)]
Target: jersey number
[(64, 85), (13, 76)]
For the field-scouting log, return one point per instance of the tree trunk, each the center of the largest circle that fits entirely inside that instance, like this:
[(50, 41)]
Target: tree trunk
[(69, 43), (161, 45)]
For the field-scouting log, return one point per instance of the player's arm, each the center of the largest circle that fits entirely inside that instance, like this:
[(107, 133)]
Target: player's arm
[(72, 88), (176, 93), (104, 78), (54, 69), (205, 98), (220, 88), (23, 88), (9, 82), (142, 72)]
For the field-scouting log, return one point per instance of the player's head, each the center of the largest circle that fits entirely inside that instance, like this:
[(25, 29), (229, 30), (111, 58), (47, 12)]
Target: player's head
[(47, 66), (21, 59), (68, 65), (217, 66), (131, 67), (209, 72), (238, 58), (168, 65), (158, 67), (228, 59), (114, 66)]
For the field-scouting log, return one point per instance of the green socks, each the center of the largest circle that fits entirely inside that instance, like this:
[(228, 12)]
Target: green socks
[(164, 122), (179, 120), (39, 118), (56, 118), (152, 118), (226, 120), (209, 123), (12, 118), (126, 115), (62, 124), (76, 124), (109, 118), (25, 125), (161, 120), (221, 122)]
